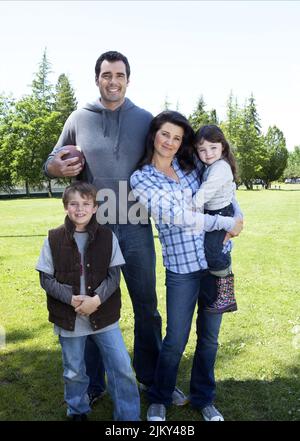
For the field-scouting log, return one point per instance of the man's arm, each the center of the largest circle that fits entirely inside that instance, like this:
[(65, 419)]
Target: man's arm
[(55, 166)]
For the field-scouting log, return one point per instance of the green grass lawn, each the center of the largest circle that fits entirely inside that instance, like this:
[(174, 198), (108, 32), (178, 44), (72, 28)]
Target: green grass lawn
[(257, 371)]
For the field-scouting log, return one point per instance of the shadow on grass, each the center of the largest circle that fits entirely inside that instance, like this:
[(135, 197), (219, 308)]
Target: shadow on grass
[(18, 335), (22, 235), (250, 399), (32, 390)]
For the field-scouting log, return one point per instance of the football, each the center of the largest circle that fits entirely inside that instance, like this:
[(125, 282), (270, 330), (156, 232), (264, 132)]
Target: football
[(74, 151)]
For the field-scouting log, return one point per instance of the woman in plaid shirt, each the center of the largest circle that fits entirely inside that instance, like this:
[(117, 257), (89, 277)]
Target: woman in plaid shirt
[(165, 184)]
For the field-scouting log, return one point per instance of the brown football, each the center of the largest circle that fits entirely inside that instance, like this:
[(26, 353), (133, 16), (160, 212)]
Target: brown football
[(74, 151)]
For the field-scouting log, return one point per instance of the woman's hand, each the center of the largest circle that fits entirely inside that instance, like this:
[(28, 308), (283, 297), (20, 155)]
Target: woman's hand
[(237, 228)]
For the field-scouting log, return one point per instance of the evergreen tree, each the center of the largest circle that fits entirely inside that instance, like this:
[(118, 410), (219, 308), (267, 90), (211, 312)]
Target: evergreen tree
[(167, 103), (65, 100), (200, 116), (234, 120), (252, 114), (213, 119), (42, 89), (250, 153)]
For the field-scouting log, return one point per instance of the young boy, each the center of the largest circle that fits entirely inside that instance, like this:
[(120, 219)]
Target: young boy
[(79, 268)]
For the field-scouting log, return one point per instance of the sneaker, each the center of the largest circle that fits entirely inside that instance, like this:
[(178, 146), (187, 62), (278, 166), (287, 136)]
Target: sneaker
[(95, 397), (79, 417), (178, 397), (210, 413), (156, 412)]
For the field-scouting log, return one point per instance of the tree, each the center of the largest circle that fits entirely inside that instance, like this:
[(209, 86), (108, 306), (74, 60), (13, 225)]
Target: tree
[(233, 122), (276, 154), (200, 116), (293, 164), (30, 127), (252, 114), (42, 89), (249, 152), (65, 100), (7, 104), (33, 129), (213, 119), (167, 103)]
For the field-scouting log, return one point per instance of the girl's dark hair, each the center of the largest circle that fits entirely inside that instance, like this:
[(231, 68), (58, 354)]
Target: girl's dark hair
[(213, 133), (186, 150), (84, 189)]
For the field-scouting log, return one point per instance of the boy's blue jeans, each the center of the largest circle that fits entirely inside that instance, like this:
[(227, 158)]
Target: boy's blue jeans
[(213, 243), (137, 245), (182, 297), (121, 381)]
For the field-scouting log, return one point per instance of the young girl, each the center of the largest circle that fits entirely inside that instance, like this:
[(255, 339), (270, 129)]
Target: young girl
[(215, 194)]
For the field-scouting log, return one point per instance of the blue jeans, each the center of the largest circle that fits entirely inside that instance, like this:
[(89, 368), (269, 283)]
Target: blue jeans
[(137, 245), (122, 386), (182, 296), (213, 243)]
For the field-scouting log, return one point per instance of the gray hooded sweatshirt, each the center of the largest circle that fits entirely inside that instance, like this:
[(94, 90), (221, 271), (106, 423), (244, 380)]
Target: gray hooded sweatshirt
[(112, 142)]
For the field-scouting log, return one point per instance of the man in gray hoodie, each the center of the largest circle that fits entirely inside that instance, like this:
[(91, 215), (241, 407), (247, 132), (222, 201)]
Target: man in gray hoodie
[(111, 132)]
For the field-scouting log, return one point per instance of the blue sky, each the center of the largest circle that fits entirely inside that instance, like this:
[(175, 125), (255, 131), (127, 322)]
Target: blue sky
[(178, 49)]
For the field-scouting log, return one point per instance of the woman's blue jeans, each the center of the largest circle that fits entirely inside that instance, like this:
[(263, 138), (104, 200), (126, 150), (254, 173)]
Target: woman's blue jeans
[(182, 297), (137, 246), (121, 381)]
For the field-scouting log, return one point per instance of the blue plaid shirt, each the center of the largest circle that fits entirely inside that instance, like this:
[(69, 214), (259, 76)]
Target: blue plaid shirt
[(180, 226)]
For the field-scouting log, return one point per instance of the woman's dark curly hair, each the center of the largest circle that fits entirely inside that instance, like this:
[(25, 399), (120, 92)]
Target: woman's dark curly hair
[(186, 150)]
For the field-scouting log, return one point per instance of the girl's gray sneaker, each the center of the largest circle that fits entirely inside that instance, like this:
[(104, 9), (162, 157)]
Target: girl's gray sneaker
[(210, 413), (156, 412)]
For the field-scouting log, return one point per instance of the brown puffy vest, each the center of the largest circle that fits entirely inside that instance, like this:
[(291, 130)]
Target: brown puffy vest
[(66, 261)]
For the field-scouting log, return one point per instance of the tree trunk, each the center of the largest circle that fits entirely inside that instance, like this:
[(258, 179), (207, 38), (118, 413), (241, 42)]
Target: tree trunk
[(27, 189), (50, 194)]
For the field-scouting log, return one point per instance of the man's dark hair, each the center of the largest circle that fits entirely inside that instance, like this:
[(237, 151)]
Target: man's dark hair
[(112, 56)]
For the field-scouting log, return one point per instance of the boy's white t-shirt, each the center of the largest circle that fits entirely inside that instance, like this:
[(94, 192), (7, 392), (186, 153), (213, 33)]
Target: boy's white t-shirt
[(45, 264)]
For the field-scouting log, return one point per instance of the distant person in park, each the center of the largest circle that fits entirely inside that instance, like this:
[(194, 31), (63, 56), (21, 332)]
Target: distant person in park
[(111, 132), (215, 195), (79, 268), (166, 183)]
